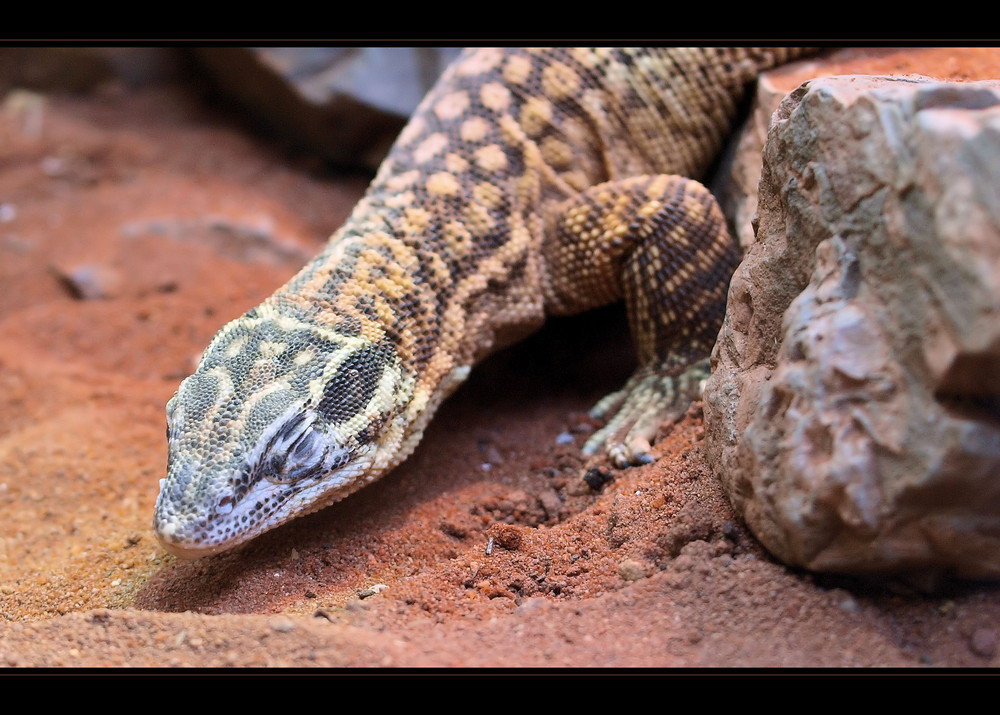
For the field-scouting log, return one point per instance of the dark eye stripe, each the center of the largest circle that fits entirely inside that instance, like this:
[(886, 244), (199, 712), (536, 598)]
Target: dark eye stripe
[(352, 387)]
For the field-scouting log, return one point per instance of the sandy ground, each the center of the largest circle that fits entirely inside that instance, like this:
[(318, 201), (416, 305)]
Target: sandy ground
[(133, 224)]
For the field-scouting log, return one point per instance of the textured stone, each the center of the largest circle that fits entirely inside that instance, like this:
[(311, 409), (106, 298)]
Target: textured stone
[(91, 281), (735, 184), (345, 104), (853, 411), (78, 69)]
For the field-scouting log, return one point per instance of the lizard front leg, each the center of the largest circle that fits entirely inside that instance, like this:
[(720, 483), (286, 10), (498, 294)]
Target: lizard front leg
[(661, 243)]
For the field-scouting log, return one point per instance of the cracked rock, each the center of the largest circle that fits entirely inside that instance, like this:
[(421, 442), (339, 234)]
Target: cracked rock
[(853, 414)]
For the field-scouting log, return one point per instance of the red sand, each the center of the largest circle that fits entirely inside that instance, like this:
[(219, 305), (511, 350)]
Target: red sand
[(182, 222)]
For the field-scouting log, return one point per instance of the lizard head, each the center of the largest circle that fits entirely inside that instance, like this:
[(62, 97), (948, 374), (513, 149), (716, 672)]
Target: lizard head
[(281, 418)]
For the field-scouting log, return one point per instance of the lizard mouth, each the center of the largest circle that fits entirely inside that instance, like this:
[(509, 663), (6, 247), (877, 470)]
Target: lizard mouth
[(189, 553), (263, 505)]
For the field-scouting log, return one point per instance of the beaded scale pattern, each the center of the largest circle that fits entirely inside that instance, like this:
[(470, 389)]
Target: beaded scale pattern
[(529, 182)]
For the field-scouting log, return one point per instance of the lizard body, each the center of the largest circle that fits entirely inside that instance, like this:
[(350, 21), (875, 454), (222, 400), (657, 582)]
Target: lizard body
[(528, 183)]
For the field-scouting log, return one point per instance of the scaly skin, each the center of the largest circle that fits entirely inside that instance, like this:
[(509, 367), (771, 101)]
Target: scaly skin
[(528, 183)]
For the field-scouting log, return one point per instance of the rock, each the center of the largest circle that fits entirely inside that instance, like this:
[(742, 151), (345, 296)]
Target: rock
[(983, 642), (853, 414), (735, 181), (78, 69), (632, 570), (281, 624), (735, 184), (90, 281), (346, 104), (249, 238)]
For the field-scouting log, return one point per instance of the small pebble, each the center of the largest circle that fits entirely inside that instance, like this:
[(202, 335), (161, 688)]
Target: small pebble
[(91, 281), (564, 438), (849, 605), (983, 642), (506, 536), (597, 477), (281, 624), (631, 570), (53, 166), (535, 604), (372, 590)]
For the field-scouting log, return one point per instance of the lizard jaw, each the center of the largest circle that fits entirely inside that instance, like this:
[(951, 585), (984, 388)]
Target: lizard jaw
[(267, 505)]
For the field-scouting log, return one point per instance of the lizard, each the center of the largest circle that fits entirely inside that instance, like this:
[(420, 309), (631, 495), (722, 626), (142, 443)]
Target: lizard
[(527, 183)]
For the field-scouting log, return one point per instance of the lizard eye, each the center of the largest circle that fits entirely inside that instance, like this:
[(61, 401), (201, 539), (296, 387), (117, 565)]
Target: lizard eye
[(352, 387)]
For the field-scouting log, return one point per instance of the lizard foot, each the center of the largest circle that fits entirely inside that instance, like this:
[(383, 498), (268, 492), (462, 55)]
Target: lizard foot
[(635, 412)]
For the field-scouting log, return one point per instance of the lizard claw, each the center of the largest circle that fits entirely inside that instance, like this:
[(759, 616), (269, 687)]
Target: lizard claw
[(635, 412)]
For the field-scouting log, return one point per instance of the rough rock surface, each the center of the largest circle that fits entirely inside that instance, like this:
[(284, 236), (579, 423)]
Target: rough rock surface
[(735, 183), (853, 414), (81, 68), (344, 104)]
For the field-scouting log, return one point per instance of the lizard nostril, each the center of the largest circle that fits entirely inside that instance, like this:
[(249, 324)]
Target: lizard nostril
[(225, 505)]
